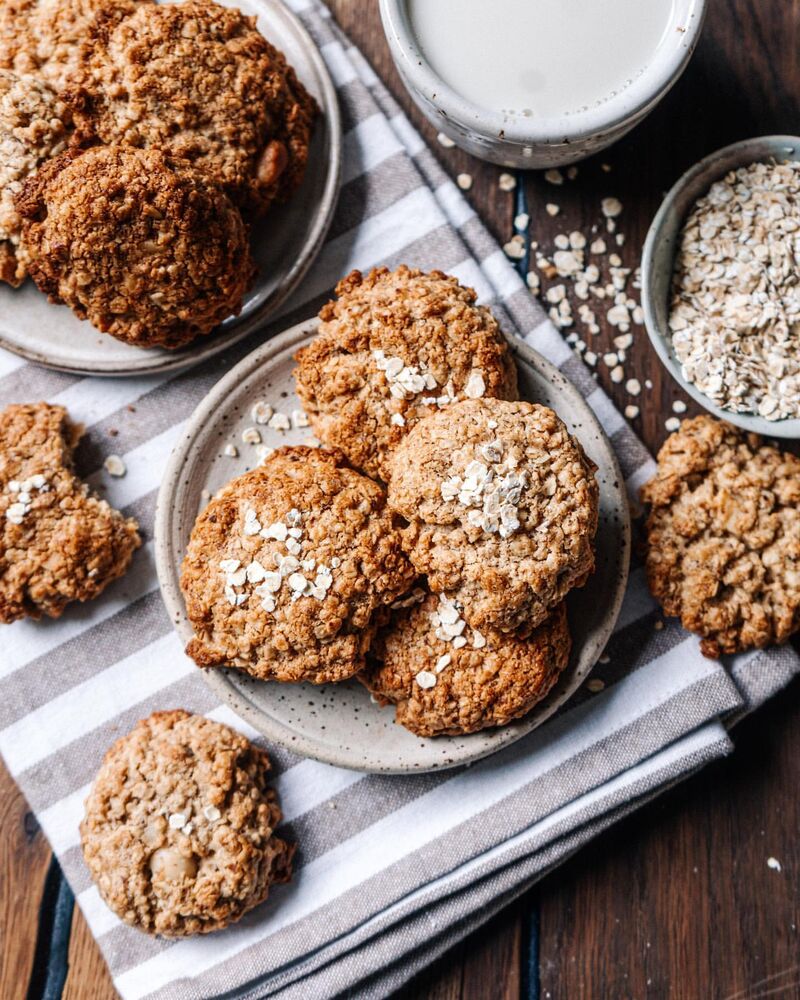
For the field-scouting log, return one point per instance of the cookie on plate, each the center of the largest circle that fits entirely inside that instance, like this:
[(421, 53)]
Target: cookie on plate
[(140, 245), (58, 542), (179, 827), (199, 81), (47, 37), (33, 128), (502, 506), (447, 679), (723, 536), (289, 568), (394, 347)]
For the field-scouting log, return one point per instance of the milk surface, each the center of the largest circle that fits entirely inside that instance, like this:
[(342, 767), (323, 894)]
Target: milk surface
[(540, 58)]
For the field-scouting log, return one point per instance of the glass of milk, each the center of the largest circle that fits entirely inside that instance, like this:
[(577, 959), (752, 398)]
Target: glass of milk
[(539, 83)]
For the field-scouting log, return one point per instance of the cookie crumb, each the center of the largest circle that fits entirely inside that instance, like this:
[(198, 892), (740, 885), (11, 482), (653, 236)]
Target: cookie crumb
[(114, 466)]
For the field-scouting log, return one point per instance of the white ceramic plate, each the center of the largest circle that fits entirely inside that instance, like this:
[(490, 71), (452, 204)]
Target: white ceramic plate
[(337, 723), (284, 247)]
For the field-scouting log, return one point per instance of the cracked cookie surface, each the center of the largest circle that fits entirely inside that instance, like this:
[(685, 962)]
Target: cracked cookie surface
[(200, 82), (394, 347), (723, 536), (443, 686), (141, 246), (290, 568), (502, 505), (33, 128), (178, 832), (58, 542)]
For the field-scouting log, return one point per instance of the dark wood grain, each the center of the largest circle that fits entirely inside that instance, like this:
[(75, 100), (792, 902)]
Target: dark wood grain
[(677, 902)]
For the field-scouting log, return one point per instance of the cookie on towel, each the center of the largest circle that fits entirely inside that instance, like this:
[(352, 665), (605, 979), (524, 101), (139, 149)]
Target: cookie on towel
[(140, 245), (58, 541), (394, 347), (290, 568), (502, 505), (723, 536), (179, 827), (447, 679)]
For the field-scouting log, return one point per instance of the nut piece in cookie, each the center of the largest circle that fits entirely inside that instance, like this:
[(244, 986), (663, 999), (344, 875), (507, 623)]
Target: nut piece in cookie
[(58, 542), (179, 827), (395, 347), (33, 128), (502, 508), (47, 37), (290, 567), (446, 685), (141, 246), (199, 81), (723, 536)]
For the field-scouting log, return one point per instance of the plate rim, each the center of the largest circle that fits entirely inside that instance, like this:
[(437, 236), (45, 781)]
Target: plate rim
[(204, 348), (217, 678)]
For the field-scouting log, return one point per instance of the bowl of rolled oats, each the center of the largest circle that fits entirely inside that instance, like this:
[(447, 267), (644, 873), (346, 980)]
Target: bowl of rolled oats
[(721, 284)]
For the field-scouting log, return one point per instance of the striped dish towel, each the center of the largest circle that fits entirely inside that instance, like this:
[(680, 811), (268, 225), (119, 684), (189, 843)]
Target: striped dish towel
[(391, 870)]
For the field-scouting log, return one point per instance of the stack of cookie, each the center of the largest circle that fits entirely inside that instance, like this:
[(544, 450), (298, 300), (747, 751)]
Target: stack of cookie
[(135, 139), (429, 547)]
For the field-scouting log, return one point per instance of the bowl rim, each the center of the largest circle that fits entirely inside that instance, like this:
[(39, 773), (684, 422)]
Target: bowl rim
[(627, 106), (692, 184)]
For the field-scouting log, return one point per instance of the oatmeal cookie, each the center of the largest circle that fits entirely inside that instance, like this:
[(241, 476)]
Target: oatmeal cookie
[(141, 246), (289, 568), (198, 80), (393, 348), (58, 542), (446, 685), (179, 827), (502, 509), (47, 37), (723, 536), (33, 127)]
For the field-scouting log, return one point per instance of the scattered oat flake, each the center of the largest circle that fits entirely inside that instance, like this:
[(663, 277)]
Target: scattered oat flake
[(299, 418), (251, 435), (521, 221), (611, 207), (774, 864), (114, 466), (554, 177), (594, 684), (572, 173), (631, 412), (552, 209), (679, 406), (672, 424), (231, 450), (445, 140), (633, 386), (464, 181), (507, 182), (514, 249), (261, 411), (617, 374)]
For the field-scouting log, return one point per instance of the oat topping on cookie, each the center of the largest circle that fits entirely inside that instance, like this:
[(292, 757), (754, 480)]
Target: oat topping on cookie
[(391, 349), (179, 830), (58, 542), (723, 536)]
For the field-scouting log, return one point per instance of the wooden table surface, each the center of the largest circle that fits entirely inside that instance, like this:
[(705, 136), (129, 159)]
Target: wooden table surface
[(677, 901)]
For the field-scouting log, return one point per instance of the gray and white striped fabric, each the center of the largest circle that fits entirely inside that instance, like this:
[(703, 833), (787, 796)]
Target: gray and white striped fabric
[(391, 870)]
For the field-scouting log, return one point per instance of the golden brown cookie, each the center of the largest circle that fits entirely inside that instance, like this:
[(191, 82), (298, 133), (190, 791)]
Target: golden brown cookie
[(179, 826), (141, 246), (394, 347), (33, 127), (447, 679), (58, 542), (46, 37), (198, 81), (289, 568), (502, 509), (723, 536)]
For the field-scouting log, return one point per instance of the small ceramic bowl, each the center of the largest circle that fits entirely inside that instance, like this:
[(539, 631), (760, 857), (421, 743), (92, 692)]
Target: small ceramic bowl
[(658, 261), (517, 140)]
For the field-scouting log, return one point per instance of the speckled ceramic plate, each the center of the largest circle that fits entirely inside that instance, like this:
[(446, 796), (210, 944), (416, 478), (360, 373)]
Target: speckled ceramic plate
[(338, 723), (284, 249)]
